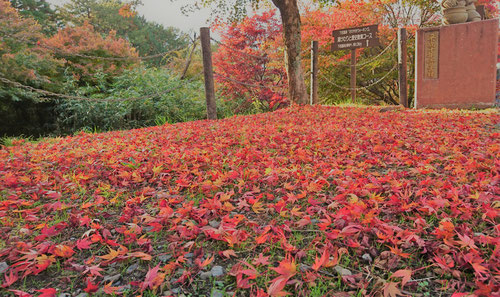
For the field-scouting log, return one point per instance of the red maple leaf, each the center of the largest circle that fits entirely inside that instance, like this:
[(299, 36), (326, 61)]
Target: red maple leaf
[(287, 268), (91, 288), (243, 275), (109, 289), (10, 279), (277, 286), (261, 260), (153, 279), (49, 292), (20, 293), (84, 244), (321, 261), (391, 290), (141, 255), (229, 253), (93, 270), (405, 274), (205, 263)]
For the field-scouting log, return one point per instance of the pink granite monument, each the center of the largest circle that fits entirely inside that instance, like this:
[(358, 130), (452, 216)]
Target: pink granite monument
[(456, 65)]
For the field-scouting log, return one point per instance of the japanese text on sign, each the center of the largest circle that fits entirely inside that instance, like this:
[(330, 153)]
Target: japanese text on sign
[(352, 38), (431, 54)]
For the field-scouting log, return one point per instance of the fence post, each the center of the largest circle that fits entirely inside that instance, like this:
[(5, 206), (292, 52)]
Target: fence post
[(208, 73), (402, 60), (314, 72), (353, 75)]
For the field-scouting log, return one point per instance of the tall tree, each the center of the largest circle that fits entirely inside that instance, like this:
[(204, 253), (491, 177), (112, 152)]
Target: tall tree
[(290, 18)]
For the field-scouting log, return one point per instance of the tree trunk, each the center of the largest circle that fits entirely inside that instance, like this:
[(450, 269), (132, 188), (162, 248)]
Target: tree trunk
[(290, 17)]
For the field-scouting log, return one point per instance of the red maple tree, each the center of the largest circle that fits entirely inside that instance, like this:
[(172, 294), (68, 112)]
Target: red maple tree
[(244, 56)]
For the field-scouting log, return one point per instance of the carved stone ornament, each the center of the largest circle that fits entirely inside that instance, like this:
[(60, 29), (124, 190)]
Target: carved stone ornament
[(459, 11), (472, 13)]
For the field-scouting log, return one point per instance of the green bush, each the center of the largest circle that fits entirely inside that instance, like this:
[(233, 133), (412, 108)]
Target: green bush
[(184, 102)]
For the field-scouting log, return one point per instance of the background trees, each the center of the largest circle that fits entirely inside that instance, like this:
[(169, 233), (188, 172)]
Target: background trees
[(290, 19), (72, 44), (49, 49), (40, 11), (147, 37), (76, 56), (317, 24), (22, 112)]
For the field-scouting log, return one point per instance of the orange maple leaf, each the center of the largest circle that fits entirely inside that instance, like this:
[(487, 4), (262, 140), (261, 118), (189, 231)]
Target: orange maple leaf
[(321, 261), (109, 289), (141, 255), (113, 254), (405, 274), (206, 262), (63, 251)]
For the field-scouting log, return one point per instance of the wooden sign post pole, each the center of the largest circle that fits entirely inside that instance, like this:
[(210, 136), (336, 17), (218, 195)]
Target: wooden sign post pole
[(402, 59), (314, 72), (208, 72), (353, 38), (353, 75)]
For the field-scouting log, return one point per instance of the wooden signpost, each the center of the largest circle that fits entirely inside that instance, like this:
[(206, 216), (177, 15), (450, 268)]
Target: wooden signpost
[(208, 73), (314, 72), (351, 39), (402, 61)]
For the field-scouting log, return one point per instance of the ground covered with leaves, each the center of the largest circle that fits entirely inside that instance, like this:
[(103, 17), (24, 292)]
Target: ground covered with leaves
[(312, 201)]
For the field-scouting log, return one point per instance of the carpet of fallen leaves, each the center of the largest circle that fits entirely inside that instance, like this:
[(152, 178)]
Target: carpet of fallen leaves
[(312, 201)]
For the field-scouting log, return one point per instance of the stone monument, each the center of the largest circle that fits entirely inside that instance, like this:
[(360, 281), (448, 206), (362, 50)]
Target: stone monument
[(456, 63)]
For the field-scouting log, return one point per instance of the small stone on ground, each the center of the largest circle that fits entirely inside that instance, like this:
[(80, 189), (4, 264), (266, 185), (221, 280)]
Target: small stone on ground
[(217, 271), (3, 267), (342, 271), (217, 293)]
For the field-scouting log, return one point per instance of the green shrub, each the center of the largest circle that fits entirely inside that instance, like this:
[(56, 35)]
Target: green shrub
[(184, 102)]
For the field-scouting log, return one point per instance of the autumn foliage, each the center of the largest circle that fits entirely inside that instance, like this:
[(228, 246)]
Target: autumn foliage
[(261, 36), (17, 57), (23, 39), (248, 55), (72, 44), (335, 200)]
